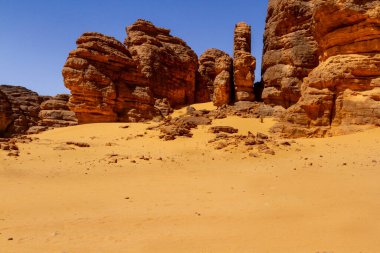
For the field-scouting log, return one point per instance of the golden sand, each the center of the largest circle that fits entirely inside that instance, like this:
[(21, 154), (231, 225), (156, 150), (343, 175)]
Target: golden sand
[(132, 192)]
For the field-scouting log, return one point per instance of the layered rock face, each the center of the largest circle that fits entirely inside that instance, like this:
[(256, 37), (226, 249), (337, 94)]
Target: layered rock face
[(23, 111), (244, 63), (110, 82), (343, 91), (54, 112), (24, 107), (5, 113), (101, 75), (290, 50), (214, 80), (167, 62)]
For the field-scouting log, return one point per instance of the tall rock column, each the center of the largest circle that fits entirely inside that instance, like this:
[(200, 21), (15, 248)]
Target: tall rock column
[(244, 63)]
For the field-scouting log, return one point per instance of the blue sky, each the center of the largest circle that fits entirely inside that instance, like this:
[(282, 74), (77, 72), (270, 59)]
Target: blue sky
[(37, 35)]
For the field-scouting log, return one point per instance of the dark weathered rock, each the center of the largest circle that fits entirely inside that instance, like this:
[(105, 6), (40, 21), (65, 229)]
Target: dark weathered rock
[(110, 82), (25, 106), (214, 79), (171, 132), (181, 126), (37, 129), (163, 106), (223, 129), (105, 82), (54, 112), (251, 140), (244, 63), (5, 113)]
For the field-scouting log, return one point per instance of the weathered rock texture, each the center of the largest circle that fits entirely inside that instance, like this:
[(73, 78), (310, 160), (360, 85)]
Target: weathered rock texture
[(23, 111), (167, 62), (5, 113), (343, 91), (244, 63), (24, 107), (101, 76), (290, 50), (111, 82), (214, 79), (54, 112)]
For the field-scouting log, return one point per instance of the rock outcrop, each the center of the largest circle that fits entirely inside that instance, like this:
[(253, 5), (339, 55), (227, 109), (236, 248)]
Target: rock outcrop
[(167, 62), (214, 79), (24, 107), (54, 112), (290, 50), (101, 76), (5, 113), (343, 91), (23, 111), (244, 63), (112, 82)]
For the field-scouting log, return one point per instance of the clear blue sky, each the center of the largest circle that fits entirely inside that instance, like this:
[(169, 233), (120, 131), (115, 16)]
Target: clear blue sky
[(37, 35)]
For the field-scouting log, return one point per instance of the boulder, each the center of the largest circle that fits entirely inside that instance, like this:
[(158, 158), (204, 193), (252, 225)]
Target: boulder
[(163, 106), (59, 102), (223, 129)]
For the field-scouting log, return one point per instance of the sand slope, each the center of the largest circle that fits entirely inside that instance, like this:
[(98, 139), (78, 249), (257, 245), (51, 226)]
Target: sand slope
[(131, 192)]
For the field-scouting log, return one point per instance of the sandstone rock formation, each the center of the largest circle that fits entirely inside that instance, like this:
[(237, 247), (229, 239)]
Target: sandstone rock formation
[(343, 91), (24, 107), (223, 129), (244, 63), (214, 79), (290, 50), (23, 111), (110, 82), (167, 62), (5, 113), (101, 75), (54, 112)]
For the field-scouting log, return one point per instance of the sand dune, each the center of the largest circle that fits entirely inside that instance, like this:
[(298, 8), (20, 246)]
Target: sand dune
[(132, 192)]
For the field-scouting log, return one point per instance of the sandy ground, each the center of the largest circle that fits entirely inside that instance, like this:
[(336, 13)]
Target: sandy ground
[(131, 192)]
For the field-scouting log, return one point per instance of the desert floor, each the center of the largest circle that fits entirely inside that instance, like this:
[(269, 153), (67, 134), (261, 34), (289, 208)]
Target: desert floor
[(132, 192)]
